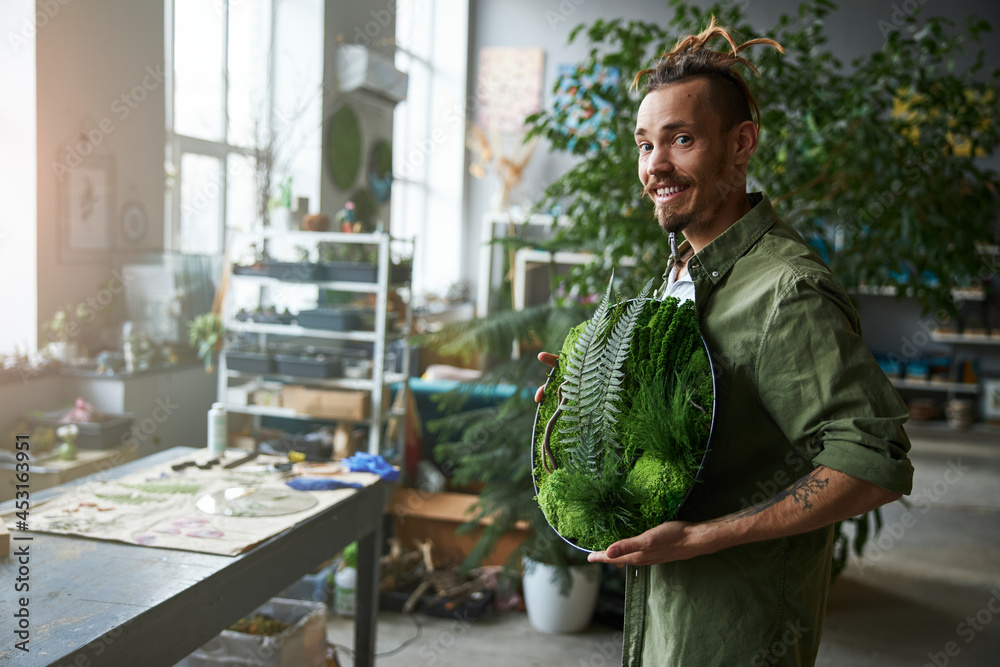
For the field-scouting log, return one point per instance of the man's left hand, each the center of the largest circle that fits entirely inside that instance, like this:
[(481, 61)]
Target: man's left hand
[(667, 542)]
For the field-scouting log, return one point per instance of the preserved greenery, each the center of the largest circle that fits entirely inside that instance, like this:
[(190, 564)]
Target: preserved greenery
[(624, 421)]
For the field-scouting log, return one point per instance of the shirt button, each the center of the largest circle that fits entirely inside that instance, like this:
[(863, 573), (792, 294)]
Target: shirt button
[(715, 274)]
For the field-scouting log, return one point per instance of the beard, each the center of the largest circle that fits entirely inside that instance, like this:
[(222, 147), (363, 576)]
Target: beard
[(674, 222), (707, 198)]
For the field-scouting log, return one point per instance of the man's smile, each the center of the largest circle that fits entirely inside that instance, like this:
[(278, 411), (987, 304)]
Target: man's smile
[(667, 193)]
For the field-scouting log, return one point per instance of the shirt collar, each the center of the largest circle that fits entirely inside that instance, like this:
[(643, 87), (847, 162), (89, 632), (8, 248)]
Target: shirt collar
[(717, 258)]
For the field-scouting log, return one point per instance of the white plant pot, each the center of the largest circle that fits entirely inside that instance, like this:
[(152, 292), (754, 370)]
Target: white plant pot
[(64, 350), (551, 612)]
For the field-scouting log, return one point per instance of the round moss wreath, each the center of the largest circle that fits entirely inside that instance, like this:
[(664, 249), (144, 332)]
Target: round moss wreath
[(343, 146), (624, 422)]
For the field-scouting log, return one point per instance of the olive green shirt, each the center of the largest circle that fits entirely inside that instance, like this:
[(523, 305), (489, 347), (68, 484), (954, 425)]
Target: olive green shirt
[(795, 388)]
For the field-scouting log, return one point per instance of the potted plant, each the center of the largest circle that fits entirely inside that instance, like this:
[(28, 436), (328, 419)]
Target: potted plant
[(300, 270), (258, 266), (64, 331), (491, 447), (206, 334)]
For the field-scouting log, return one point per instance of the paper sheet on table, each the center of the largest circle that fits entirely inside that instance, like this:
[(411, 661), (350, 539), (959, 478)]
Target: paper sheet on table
[(156, 507)]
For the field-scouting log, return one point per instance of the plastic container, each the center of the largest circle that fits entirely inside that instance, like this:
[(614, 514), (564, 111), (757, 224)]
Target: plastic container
[(344, 591), (218, 431), (249, 362), (292, 271), (252, 270), (329, 318), (317, 366), (351, 272)]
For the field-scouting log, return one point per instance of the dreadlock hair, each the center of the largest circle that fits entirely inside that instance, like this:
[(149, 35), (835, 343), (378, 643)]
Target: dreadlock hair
[(727, 90)]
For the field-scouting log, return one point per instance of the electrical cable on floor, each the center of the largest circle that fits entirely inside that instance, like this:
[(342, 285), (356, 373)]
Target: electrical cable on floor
[(416, 622)]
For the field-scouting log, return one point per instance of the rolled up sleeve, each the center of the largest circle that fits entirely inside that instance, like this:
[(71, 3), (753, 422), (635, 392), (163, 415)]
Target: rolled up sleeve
[(824, 390)]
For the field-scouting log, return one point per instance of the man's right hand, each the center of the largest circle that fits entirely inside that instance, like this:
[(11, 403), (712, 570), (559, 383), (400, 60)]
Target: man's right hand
[(549, 360)]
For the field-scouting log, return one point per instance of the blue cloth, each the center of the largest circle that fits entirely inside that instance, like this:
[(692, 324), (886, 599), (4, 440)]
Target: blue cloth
[(362, 462), (321, 484)]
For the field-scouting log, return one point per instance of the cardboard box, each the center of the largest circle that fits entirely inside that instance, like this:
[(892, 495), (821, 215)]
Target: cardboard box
[(302, 645), (327, 403), (421, 515)]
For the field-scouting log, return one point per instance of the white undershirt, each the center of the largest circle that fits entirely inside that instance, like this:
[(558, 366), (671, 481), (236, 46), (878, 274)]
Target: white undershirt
[(680, 286)]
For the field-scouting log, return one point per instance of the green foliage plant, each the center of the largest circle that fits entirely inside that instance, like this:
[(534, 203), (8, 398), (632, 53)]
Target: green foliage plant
[(622, 428), (206, 334), (875, 164)]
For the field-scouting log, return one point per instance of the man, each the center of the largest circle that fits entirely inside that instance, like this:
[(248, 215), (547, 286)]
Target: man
[(808, 430)]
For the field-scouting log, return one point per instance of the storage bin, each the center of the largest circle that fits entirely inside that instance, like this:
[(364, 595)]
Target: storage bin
[(302, 645), (292, 271), (331, 319), (351, 272), (252, 270), (249, 362), (315, 366)]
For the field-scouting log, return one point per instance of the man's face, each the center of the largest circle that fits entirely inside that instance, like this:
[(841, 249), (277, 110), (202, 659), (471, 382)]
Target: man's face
[(683, 161)]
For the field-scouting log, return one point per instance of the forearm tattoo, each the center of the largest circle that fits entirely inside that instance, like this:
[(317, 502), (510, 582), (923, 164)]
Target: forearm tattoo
[(801, 493)]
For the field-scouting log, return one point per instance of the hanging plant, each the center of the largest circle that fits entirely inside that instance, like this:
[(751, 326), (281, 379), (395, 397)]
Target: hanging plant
[(624, 422)]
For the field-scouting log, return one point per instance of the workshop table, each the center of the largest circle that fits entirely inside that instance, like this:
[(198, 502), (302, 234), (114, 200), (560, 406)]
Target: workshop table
[(93, 602)]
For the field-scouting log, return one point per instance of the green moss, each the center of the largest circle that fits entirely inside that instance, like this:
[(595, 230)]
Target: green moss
[(662, 433), (658, 488)]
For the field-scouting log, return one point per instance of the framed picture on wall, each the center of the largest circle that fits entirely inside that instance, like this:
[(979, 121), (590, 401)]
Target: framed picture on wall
[(87, 208)]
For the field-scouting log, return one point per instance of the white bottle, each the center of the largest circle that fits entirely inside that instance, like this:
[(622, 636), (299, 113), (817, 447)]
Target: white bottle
[(344, 583), (218, 430)]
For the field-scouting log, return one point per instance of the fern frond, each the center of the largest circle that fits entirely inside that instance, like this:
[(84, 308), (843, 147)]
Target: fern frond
[(613, 362), (583, 368)]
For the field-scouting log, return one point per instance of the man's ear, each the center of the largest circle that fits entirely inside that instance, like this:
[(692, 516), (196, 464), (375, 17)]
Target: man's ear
[(744, 138)]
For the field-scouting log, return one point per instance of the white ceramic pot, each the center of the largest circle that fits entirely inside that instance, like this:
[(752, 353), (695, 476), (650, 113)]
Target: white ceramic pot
[(551, 612), (64, 351)]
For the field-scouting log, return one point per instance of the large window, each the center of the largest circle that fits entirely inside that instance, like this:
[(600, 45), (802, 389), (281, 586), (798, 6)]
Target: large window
[(246, 82), (429, 138)]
